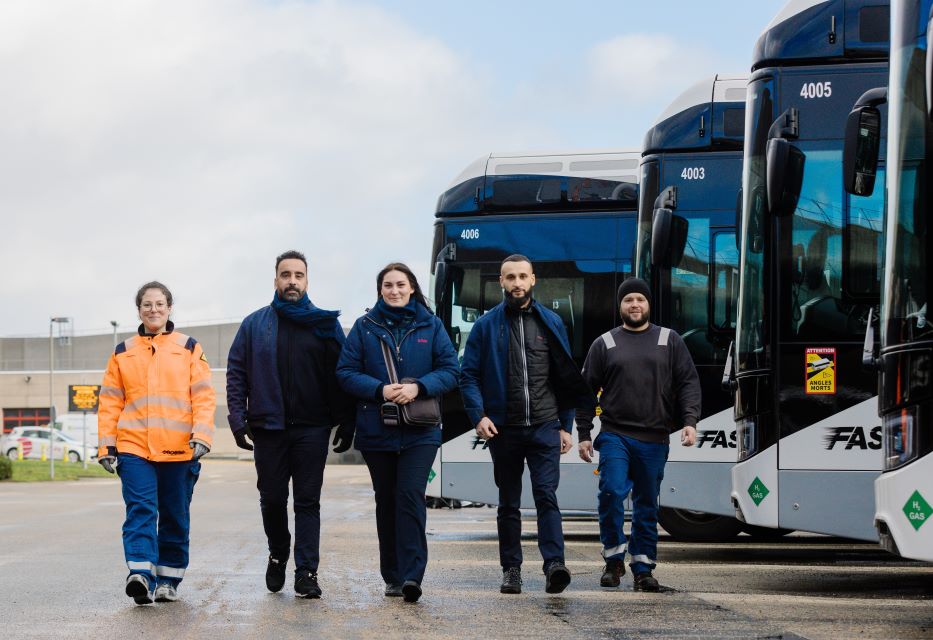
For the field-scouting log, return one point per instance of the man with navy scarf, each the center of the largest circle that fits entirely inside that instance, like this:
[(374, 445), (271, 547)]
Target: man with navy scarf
[(283, 395)]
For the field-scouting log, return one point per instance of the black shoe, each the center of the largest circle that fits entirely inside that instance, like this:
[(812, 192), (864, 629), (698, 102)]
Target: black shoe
[(306, 585), (612, 574), (646, 582), (411, 591), (137, 587), (511, 580), (558, 577), (275, 574), (393, 590)]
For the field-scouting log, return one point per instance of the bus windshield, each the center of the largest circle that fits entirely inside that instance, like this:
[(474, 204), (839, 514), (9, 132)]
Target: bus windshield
[(751, 336), (904, 308)]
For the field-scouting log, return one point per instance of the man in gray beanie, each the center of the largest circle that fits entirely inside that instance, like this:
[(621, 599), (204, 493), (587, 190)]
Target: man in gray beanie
[(650, 389)]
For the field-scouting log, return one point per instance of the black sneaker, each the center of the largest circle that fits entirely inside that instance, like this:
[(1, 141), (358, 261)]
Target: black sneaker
[(306, 585), (137, 587), (275, 574), (511, 580), (612, 574), (393, 590), (646, 582), (558, 577), (411, 591)]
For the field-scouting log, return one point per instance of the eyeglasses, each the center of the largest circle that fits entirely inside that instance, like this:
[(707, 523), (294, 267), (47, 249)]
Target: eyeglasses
[(148, 306)]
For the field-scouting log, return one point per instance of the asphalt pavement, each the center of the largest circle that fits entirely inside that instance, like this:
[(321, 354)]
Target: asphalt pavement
[(62, 575)]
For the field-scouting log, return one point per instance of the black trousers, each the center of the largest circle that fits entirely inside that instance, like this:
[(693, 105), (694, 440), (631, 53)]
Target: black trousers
[(297, 454), (399, 482)]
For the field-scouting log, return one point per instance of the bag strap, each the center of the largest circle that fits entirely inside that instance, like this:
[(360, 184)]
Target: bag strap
[(390, 364)]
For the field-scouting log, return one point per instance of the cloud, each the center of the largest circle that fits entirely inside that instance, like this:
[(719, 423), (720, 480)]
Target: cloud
[(635, 69), (192, 142)]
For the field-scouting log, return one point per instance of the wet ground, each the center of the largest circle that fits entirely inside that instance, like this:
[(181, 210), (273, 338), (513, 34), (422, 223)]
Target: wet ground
[(62, 573)]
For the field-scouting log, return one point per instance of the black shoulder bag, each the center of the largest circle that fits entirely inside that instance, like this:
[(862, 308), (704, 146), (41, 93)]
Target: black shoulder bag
[(420, 412)]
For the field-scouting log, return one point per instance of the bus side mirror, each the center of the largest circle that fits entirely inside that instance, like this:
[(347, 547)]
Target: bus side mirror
[(728, 373), (868, 349), (661, 221), (784, 176), (440, 282), (860, 153), (738, 219)]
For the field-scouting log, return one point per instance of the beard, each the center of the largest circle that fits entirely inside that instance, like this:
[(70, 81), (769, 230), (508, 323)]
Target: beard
[(290, 294), (629, 321), (516, 303)]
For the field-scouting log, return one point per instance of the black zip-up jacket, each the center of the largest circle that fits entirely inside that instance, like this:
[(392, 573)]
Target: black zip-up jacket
[(307, 367), (530, 397), (650, 387)]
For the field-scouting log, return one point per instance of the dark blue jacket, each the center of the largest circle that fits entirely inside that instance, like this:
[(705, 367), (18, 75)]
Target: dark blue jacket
[(485, 369), (254, 392), (425, 353)]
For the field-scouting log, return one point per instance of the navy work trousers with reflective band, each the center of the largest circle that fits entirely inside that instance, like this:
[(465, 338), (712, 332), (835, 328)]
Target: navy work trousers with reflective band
[(540, 446), (625, 462), (297, 454), (158, 516), (400, 479)]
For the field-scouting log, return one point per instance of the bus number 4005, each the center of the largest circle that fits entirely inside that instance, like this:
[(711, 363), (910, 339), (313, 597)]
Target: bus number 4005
[(811, 90)]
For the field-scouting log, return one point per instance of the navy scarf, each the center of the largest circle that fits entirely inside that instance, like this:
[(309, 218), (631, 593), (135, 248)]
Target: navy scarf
[(398, 319), (302, 311)]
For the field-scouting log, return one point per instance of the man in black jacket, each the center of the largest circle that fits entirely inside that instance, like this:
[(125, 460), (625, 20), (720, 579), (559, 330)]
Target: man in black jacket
[(282, 393), (650, 389)]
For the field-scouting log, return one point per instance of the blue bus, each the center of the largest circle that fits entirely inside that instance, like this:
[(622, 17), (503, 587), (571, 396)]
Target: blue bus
[(809, 441), (573, 215), (904, 490), (690, 177)]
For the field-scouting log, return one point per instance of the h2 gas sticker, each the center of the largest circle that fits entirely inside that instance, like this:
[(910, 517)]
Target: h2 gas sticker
[(821, 370)]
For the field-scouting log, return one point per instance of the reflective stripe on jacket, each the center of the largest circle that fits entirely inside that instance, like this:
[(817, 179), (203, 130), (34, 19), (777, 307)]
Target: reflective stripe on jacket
[(156, 397)]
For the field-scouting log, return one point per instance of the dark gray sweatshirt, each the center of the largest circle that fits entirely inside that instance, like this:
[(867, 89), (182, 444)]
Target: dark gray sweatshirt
[(650, 387)]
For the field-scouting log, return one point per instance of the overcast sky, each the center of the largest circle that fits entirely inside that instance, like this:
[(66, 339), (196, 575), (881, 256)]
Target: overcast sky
[(193, 141)]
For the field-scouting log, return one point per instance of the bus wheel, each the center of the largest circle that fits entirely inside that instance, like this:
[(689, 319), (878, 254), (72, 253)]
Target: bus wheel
[(696, 526)]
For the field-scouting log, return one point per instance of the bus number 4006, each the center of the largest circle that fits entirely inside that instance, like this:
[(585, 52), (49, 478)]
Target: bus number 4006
[(811, 90), (469, 234)]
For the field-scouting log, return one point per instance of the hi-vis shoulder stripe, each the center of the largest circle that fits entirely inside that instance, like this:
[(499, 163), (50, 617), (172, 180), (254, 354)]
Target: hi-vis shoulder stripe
[(662, 339), (608, 339)]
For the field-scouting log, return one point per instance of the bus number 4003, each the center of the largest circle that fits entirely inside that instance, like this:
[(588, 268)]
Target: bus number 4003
[(469, 234), (693, 173), (811, 90)]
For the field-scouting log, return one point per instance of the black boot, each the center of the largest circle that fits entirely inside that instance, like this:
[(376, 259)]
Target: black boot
[(558, 577), (306, 585), (646, 582), (511, 580), (612, 574)]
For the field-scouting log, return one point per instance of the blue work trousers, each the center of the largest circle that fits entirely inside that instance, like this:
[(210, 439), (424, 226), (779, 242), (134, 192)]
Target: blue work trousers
[(626, 462), (400, 479), (297, 454), (158, 516), (540, 446)]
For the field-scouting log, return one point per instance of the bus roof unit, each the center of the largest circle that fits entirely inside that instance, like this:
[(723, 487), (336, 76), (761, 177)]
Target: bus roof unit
[(806, 31)]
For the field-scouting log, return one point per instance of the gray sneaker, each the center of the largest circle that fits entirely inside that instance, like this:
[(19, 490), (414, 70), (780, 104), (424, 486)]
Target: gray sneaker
[(137, 587), (166, 592)]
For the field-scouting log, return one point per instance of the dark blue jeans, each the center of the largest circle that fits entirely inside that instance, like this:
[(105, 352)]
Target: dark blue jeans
[(625, 462), (400, 479), (297, 454), (540, 446), (158, 516)]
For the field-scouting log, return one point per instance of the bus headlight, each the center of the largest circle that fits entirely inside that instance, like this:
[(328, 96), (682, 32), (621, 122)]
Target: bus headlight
[(900, 437), (746, 432)]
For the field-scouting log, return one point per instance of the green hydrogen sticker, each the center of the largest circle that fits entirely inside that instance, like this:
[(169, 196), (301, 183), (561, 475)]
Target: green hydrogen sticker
[(917, 510), (758, 491), (431, 475)]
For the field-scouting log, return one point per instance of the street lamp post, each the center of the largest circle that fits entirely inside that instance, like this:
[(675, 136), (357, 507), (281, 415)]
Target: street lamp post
[(52, 321), (113, 323)]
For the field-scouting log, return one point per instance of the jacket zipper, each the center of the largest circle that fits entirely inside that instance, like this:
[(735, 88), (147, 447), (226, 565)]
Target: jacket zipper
[(398, 345), (521, 331)]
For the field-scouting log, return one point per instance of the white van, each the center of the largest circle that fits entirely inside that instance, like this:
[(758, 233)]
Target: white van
[(72, 425)]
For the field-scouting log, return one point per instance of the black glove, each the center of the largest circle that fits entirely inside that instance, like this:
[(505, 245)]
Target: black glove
[(343, 437), (109, 461), (241, 438), (199, 449)]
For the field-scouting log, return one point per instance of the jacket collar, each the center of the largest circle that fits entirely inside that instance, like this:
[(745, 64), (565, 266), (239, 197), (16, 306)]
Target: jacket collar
[(169, 327)]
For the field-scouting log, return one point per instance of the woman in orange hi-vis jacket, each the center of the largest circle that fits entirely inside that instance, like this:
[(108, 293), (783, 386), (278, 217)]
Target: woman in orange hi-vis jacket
[(155, 421)]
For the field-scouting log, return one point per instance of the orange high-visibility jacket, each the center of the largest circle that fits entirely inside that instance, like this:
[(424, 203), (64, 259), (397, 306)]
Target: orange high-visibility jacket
[(156, 397)]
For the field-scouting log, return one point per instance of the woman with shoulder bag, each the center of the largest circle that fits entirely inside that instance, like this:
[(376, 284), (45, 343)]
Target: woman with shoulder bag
[(398, 361)]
